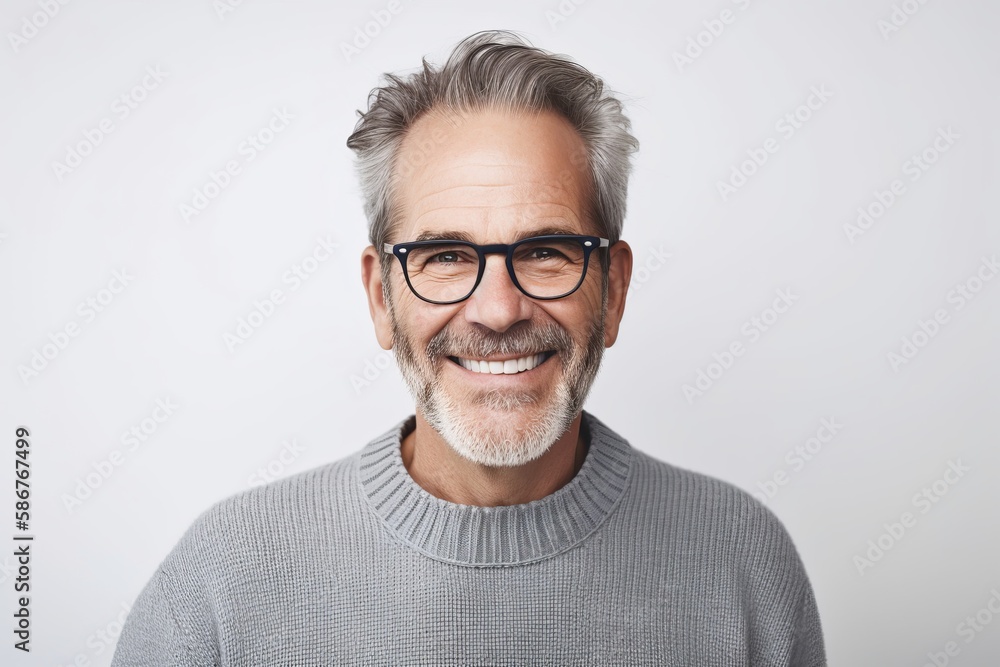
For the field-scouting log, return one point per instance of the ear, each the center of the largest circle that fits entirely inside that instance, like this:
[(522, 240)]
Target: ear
[(619, 276), (371, 278)]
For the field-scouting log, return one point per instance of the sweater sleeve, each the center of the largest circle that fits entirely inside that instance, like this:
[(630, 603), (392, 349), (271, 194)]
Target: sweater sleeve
[(153, 637), (808, 649)]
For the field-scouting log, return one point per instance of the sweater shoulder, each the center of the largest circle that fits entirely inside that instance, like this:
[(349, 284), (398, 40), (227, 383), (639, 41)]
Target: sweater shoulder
[(291, 496), (261, 519), (711, 510)]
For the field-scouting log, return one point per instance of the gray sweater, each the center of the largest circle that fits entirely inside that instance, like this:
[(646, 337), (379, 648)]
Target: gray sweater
[(633, 562)]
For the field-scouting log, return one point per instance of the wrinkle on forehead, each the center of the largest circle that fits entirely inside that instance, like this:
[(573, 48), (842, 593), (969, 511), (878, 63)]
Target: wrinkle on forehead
[(493, 168)]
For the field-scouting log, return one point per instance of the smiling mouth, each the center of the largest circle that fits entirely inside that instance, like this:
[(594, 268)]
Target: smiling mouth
[(506, 367)]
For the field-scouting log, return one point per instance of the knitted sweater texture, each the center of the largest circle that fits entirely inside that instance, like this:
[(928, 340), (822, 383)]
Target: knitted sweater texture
[(633, 562)]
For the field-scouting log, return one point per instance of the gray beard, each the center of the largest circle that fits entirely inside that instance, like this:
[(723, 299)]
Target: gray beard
[(499, 433)]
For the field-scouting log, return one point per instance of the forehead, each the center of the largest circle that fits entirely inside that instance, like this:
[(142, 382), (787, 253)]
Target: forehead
[(492, 175)]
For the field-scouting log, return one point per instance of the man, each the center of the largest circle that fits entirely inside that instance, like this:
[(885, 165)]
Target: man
[(501, 523)]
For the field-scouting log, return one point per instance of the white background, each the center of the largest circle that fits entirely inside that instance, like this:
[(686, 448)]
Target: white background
[(63, 235)]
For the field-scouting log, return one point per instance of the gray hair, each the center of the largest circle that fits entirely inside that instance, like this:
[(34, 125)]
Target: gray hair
[(487, 70)]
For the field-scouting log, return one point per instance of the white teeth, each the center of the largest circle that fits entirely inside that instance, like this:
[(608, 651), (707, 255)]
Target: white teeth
[(508, 367)]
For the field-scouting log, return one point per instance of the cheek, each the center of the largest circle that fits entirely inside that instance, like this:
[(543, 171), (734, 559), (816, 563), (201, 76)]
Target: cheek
[(422, 321), (588, 306), (575, 318)]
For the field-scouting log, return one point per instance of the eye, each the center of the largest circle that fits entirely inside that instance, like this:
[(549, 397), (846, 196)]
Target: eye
[(443, 258), (543, 252), (549, 253), (446, 257)]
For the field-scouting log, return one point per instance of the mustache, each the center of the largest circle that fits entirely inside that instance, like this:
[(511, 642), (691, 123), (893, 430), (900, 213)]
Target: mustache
[(519, 340)]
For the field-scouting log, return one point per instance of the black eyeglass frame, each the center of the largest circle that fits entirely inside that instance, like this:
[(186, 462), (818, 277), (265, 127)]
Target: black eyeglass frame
[(589, 244)]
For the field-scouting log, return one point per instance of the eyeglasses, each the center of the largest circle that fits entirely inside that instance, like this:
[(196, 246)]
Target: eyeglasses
[(541, 267)]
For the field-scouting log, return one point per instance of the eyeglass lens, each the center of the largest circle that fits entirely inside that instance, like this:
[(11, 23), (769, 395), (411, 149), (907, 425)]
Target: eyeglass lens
[(447, 271)]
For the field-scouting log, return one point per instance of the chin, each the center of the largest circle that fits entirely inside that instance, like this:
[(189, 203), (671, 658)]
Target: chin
[(500, 429)]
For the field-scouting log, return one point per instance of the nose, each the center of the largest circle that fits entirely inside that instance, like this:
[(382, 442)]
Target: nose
[(497, 303)]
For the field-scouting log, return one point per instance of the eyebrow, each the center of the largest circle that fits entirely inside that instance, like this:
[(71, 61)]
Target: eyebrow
[(454, 235)]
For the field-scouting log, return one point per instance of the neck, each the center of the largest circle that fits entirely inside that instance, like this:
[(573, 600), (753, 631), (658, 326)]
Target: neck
[(445, 474)]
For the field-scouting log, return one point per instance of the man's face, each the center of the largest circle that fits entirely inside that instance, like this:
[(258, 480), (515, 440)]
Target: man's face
[(491, 177)]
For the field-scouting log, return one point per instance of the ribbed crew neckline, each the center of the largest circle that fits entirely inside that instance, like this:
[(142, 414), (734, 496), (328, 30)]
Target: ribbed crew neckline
[(494, 536)]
